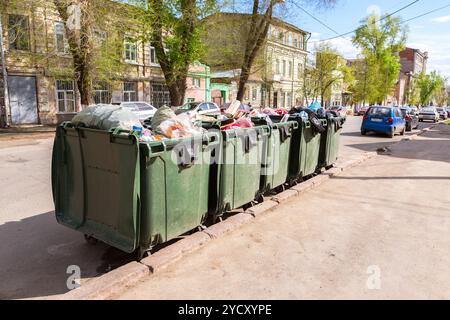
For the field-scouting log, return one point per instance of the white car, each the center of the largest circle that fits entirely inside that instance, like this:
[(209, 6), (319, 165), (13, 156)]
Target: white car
[(142, 109), (202, 108)]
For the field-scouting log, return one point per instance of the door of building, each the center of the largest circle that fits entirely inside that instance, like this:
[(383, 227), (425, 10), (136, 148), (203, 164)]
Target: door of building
[(275, 99), (23, 101)]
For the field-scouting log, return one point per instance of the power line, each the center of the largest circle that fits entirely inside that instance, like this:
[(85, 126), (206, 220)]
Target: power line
[(312, 16), (427, 13), (379, 20)]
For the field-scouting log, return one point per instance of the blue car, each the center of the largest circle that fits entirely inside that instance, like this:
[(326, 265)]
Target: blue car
[(387, 120)]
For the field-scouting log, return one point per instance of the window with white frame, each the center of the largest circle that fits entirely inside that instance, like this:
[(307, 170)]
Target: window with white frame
[(289, 99), (254, 93), (153, 60), (277, 67), (290, 69), (284, 67), (62, 45), (129, 91), (65, 95), (300, 71), (196, 82), (100, 37), (130, 50), (102, 92)]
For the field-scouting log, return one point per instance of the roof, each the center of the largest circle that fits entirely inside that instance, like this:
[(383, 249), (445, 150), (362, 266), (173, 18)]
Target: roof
[(275, 21)]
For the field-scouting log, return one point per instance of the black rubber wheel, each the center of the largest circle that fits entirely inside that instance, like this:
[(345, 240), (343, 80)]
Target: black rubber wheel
[(90, 240), (403, 132), (363, 132)]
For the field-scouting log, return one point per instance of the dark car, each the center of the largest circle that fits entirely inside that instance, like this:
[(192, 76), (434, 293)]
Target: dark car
[(448, 112), (412, 119)]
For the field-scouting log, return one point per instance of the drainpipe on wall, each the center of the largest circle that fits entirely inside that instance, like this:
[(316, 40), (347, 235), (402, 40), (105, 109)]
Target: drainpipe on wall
[(5, 79)]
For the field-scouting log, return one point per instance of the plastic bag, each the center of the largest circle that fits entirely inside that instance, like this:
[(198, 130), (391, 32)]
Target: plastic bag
[(107, 117)]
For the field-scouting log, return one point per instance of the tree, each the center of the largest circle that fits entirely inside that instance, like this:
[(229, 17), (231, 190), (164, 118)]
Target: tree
[(173, 28), (428, 86), (78, 17), (261, 17), (380, 42), (330, 69)]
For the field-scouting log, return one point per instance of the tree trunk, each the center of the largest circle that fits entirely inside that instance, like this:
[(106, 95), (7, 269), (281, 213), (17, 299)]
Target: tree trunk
[(260, 27), (81, 45)]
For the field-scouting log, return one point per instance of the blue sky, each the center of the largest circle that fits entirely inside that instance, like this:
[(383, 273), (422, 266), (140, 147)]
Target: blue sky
[(430, 33)]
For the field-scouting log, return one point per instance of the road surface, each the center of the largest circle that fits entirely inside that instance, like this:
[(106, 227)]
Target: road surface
[(36, 251)]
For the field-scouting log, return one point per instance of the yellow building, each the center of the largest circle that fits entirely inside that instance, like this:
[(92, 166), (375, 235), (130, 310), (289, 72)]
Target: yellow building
[(277, 76)]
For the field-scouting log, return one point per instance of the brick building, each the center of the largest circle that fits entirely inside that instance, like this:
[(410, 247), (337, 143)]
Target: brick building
[(413, 62)]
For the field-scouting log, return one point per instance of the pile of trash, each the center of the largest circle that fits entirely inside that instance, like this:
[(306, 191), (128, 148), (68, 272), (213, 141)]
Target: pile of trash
[(165, 124)]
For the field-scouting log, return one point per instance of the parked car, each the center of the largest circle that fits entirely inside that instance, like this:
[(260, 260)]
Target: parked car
[(386, 120), (414, 109), (412, 119), (448, 112), (342, 111), (142, 109), (203, 108), (362, 110), (443, 114), (429, 113)]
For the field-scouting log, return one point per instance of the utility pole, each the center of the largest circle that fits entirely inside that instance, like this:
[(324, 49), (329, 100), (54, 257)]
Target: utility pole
[(5, 79)]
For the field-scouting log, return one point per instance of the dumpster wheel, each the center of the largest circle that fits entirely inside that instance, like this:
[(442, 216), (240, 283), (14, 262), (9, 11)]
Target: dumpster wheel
[(90, 240)]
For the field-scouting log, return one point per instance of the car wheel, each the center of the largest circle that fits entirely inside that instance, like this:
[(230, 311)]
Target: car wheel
[(392, 134), (363, 132), (409, 128)]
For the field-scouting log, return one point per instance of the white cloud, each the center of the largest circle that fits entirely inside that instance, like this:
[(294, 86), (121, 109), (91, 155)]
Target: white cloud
[(441, 19), (374, 9)]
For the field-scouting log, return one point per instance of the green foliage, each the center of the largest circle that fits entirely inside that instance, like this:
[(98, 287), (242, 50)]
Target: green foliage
[(380, 42), (428, 86)]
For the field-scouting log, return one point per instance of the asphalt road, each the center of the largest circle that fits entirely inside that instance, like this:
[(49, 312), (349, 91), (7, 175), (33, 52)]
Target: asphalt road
[(36, 251)]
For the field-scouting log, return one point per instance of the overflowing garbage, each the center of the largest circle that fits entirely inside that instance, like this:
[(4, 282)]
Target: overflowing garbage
[(131, 193)]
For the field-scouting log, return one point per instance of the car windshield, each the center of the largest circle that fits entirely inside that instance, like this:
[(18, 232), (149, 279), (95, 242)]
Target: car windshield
[(380, 111), (190, 106), (138, 106)]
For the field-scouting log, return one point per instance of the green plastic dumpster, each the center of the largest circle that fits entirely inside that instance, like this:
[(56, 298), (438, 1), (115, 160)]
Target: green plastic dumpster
[(275, 171), (240, 167), (330, 142), (128, 194), (305, 150)]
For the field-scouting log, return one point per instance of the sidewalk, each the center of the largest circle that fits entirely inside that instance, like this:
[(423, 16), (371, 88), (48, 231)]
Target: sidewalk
[(28, 132), (383, 223)]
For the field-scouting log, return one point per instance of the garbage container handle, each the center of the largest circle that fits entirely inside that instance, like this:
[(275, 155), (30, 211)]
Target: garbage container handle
[(295, 125), (211, 139), (265, 131), (308, 124), (156, 149)]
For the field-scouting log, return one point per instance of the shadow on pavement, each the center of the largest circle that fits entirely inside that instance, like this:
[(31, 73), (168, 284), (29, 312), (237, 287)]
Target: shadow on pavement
[(36, 252)]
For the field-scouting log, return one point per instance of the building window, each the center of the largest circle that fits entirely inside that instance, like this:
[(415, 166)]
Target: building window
[(196, 82), (254, 93), (129, 91), (100, 37), (65, 94), (277, 67), (301, 43), (284, 67), (130, 50), (152, 59), (102, 92), (290, 69), (246, 93), (160, 95), (296, 42), (19, 32), (300, 71), (62, 45), (289, 100)]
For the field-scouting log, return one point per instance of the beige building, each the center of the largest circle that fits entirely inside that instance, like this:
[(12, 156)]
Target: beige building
[(38, 65), (277, 77)]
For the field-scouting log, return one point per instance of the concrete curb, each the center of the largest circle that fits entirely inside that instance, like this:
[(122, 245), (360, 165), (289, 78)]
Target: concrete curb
[(114, 282)]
